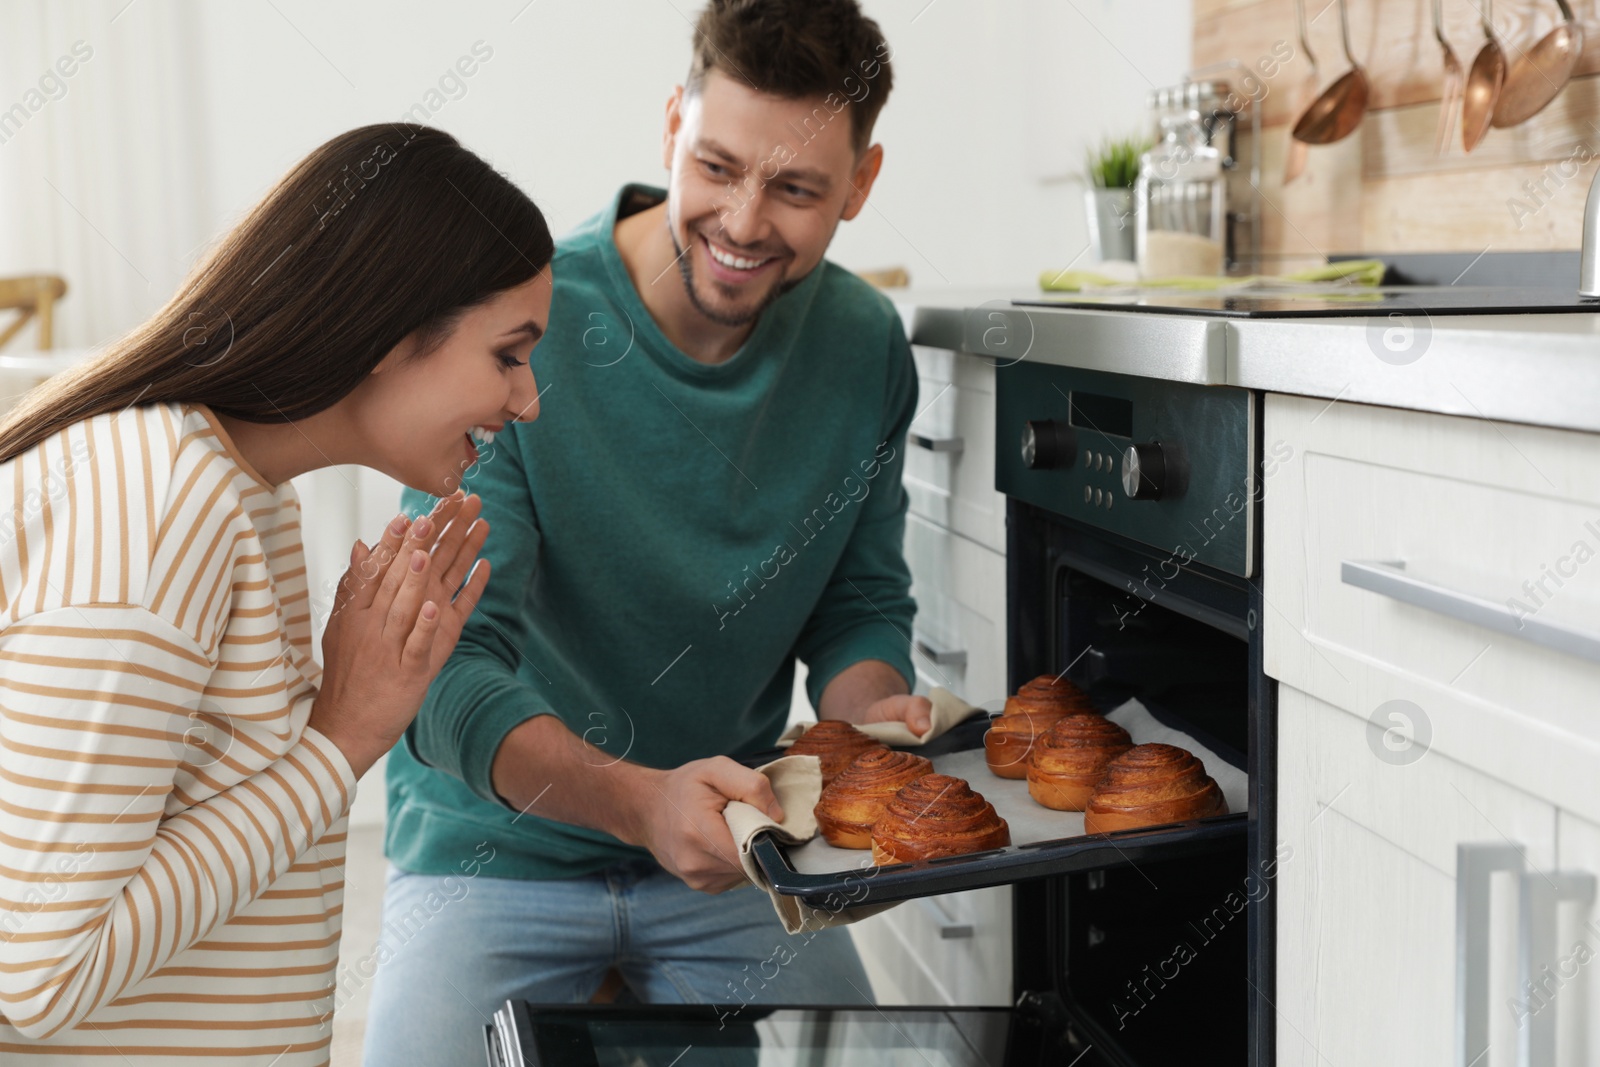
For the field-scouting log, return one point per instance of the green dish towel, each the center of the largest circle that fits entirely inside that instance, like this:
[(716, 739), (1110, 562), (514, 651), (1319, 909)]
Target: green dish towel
[(1367, 272)]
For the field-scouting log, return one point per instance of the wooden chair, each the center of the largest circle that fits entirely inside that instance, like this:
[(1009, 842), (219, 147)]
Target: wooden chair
[(888, 278), (30, 295)]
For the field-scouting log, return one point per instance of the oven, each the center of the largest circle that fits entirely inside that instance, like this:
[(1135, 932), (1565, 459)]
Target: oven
[(1132, 559)]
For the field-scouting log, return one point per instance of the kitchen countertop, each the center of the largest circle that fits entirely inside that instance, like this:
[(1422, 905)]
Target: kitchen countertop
[(1539, 369)]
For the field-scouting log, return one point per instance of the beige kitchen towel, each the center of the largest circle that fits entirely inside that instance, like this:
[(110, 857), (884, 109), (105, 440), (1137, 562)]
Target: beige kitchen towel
[(948, 709), (797, 781)]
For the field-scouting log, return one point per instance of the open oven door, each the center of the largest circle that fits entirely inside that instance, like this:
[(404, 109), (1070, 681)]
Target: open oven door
[(705, 1035)]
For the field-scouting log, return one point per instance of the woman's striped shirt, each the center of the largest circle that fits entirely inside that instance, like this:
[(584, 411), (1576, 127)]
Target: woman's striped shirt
[(172, 834)]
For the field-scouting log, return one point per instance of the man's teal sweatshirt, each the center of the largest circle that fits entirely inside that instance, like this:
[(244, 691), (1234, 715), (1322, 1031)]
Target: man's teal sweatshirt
[(667, 537)]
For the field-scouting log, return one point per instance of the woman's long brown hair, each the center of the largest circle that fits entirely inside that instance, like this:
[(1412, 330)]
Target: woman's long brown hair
[(380, 233)]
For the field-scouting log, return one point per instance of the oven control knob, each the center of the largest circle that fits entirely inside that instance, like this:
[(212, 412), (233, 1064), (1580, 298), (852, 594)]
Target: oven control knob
[(1048, 445), (1144, 471)]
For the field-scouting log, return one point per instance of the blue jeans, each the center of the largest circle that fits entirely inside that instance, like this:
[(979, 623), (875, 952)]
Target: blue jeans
[(453, 950)]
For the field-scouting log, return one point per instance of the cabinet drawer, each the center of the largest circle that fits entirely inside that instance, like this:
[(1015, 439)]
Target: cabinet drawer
[(1475, 513), (960, 589), (909, 949), (955, 488)]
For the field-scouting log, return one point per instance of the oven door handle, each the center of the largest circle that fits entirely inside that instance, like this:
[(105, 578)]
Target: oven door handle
[(1389, 578), (951, 445)]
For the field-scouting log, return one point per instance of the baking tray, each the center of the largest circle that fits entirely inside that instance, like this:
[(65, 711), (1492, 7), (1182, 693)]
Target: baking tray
[(1046, 842)]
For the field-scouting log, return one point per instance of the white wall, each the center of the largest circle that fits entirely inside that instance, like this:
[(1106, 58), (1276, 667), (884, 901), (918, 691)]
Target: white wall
[(189, 111), (990, 97)]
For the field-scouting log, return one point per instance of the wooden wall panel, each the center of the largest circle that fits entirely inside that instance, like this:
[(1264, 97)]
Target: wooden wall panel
[(1399, 141), (1393, 40), (1471, 211), (1384, 189), (1319, 212)]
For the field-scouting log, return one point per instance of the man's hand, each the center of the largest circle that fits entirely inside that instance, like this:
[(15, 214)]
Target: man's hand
[(681, 819), (915, 712), (873, 691)]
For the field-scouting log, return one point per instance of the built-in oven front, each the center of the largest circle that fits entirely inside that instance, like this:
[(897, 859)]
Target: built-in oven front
[(1132, 558), (1132, 569)]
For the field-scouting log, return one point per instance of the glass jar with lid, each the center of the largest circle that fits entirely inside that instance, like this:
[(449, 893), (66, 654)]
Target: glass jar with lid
[(1181, 198)]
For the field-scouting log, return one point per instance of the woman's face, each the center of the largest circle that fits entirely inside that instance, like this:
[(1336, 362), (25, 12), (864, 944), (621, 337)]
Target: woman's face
[(417, 415)]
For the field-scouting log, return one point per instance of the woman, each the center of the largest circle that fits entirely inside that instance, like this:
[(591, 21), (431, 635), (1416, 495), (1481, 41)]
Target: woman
[(175, 768)]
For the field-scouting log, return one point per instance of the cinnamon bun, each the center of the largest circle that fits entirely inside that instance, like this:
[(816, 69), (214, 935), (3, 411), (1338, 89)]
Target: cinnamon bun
[(1152, 784), (1012, 737), (1070, 759), (934, 816), (1049, 693), (854, 800), (836, 743)]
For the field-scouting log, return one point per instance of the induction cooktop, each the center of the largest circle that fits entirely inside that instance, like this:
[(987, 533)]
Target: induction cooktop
[(1325, 302)]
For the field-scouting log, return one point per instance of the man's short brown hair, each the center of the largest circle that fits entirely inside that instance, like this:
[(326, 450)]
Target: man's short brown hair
[(797, 49)]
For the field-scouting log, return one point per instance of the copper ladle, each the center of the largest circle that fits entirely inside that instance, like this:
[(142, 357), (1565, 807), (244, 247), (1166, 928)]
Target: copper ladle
[(1335, 114), (1450, 96), (1483, 85), (1295, 160), (1540, 73)]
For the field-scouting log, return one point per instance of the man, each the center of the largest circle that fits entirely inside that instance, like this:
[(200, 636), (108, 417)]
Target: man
[(713, 489)]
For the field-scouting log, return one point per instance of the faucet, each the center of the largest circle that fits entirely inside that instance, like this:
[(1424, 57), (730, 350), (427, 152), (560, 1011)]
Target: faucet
[(1589, 258)]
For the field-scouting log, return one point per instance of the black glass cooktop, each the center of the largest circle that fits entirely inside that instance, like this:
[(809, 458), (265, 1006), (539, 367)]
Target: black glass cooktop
[(1322, 303)]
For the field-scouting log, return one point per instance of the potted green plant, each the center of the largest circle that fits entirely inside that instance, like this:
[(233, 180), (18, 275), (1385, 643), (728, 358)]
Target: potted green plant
[(1112, 170)]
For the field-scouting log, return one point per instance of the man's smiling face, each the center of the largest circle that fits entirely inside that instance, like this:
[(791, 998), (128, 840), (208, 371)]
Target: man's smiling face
[(758, 185)]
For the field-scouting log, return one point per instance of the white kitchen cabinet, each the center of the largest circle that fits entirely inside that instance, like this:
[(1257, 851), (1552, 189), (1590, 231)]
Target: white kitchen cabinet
[(949, 473), (1430, 614), (960, 627), (1366, 915), (1480, 518), (948, 950)]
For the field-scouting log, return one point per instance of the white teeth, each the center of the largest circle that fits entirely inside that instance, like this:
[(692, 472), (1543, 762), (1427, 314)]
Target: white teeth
[(735, 262), (482, 436)]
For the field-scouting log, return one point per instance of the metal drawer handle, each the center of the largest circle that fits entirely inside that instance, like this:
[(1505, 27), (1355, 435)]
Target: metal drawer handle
[(1536, 940), (1389, 578), (949, 929), (951, 445), (1475, 864), (943, 657)]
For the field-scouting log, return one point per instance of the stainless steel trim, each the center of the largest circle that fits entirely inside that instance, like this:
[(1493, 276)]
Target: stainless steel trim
[(935, 444), (1475, 863), (1390, 579), (949, 929), (1536, 942), (1536, 369), (1172, 347), (943, 657), (1455, 365)]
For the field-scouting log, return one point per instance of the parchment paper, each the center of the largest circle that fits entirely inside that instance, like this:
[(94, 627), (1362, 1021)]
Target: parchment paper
[(1030, 821)]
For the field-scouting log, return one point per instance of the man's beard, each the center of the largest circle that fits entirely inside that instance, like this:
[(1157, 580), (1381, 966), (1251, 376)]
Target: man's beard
[(721, 318)]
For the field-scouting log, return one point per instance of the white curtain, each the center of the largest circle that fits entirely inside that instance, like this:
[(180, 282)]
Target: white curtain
[(100, 143)]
